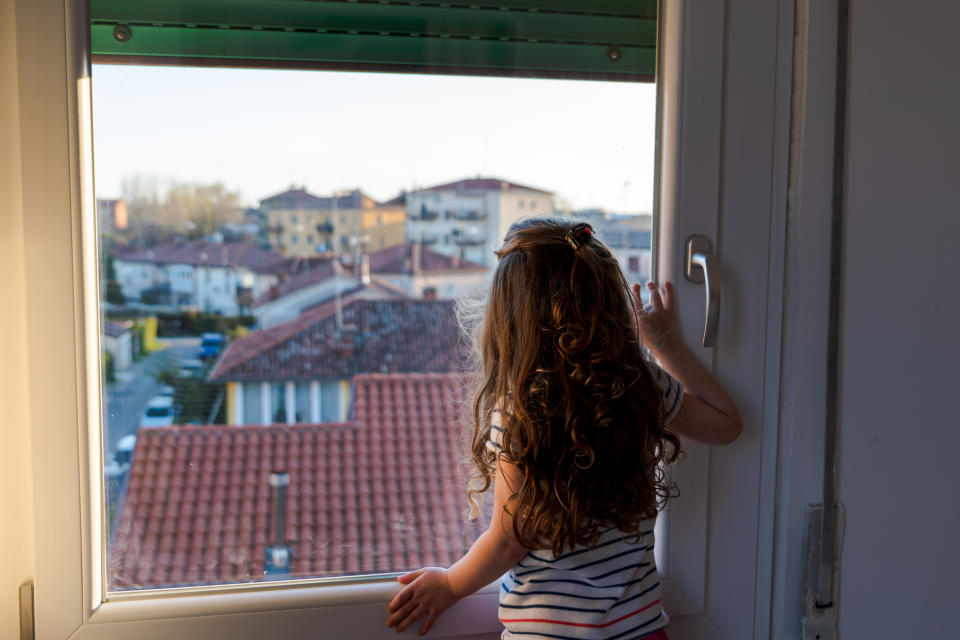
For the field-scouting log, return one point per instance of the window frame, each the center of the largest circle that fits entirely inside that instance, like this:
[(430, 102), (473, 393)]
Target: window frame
[(54, 66)]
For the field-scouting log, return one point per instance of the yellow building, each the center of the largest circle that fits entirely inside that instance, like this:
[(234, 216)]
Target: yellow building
[(302, 224)]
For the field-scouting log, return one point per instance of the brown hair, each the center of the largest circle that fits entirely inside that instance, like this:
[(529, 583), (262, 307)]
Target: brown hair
[(556, 352)]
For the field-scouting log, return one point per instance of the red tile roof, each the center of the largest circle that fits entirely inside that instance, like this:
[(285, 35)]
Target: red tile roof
[(213, 254), (301, 199), (316, 272), (482, 184), (383, 493), (389, 336), (399, 259)]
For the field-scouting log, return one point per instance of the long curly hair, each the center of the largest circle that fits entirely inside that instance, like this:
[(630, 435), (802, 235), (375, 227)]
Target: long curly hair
[(556, 353)]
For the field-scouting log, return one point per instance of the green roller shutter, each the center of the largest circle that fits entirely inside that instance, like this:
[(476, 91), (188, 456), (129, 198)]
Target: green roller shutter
[(602, 39)]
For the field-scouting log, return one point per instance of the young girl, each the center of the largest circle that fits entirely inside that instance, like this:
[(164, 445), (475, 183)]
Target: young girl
[(572, 425)]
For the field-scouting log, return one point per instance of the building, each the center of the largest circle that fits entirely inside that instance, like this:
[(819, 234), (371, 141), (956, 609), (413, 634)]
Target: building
[(422, 271), (221, 278), (117, 340), (468, 218), (300, 371), (200, 509), (111, 215), (302, 224), (627, 237)]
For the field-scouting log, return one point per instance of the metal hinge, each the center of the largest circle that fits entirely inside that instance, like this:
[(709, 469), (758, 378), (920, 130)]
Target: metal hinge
[(26, 612), (820, 618)]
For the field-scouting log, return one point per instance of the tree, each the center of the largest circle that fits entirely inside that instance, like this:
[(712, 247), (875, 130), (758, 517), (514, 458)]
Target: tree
[(162, 212), (112, 292)]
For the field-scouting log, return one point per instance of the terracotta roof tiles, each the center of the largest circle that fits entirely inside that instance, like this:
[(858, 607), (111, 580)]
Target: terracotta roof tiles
[(383, 493), (384, 336)]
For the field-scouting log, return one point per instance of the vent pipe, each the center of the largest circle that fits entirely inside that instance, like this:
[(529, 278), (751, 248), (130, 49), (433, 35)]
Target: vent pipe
[(278, 554)]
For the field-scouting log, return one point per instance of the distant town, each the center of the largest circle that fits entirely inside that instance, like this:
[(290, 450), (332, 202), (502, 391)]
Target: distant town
[(268, 372)]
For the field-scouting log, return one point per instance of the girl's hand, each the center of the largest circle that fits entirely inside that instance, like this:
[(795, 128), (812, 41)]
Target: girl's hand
[(657, 323), (427, 593)]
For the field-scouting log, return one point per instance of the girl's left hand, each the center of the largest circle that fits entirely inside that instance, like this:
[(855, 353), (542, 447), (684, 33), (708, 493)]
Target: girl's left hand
[(427, 593)]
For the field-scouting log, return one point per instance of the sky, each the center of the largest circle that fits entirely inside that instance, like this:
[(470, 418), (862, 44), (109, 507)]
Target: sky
[(261, 131)]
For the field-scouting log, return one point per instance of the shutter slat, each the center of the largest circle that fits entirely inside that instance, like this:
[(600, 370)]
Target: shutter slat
[(520, 37)]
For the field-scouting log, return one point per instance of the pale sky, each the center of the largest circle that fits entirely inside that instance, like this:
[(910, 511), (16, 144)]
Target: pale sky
[(259, 131)]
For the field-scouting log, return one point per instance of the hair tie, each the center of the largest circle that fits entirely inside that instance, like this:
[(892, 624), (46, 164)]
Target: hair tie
[(579, 235)]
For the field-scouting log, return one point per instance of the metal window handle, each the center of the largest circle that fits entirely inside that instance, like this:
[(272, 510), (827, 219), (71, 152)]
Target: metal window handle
[(703, 266)]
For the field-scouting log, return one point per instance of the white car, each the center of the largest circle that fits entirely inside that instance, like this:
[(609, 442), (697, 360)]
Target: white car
[(191, 368), (159, 412), (166, 390)]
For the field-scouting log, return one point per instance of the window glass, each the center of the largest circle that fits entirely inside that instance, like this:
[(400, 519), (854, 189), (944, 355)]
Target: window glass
[(340, 362)]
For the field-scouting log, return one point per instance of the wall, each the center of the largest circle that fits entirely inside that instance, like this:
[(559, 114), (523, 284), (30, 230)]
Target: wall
[(16, 504), (899, 430)]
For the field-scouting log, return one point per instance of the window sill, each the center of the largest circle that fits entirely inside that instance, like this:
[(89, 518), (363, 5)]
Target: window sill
[(360, 609)]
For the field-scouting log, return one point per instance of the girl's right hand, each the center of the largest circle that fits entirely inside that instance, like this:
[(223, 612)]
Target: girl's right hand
[(657, 326)]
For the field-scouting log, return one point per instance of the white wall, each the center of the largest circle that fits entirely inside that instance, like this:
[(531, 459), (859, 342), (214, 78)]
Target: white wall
[(899, 425), (16, 499)]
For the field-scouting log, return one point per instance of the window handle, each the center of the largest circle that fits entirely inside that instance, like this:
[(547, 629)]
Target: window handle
[(703, 266)]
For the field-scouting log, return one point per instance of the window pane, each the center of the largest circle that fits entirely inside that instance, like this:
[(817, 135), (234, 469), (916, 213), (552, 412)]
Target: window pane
[(279, 285)]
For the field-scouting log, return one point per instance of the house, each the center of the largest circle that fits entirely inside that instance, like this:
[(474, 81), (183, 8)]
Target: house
[(421, 270), (117, 339), (322, 280), (300, 223), (468, 218), (344, 510), (212, 277), (111, 214), (627, 237), (405, 270), (300, 371)]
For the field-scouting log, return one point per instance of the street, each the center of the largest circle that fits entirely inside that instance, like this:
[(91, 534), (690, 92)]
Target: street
[(127, 398)]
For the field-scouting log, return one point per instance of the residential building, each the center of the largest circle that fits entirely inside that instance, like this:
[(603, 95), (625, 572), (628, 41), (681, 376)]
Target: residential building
[(322, 282), (117, 340), (111, 214), (200, 509), (468, 218), (300, 371), (302, 224), (422, 271), (627, 237), (220, 278)]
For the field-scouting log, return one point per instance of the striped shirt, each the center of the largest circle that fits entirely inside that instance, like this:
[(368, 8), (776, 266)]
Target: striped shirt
[(610, 590)]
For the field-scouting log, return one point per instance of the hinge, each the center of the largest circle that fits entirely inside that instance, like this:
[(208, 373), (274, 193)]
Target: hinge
[(819, 619), (26, 612)]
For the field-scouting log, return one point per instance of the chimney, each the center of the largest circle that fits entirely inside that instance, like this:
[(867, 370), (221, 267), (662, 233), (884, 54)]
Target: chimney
[(365, 269), (278, 554)]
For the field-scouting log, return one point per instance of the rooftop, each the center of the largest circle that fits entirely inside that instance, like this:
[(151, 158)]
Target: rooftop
[(399, 259), (199, 508), (376, 336), (483, 184), (294, 198), (215, 254)]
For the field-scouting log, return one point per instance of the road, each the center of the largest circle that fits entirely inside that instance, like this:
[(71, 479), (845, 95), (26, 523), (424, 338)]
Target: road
[(126, 399)]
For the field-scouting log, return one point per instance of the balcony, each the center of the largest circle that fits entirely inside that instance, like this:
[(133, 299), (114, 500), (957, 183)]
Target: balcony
[(425, 214), (471, 215), (325, 228), (469, 240)]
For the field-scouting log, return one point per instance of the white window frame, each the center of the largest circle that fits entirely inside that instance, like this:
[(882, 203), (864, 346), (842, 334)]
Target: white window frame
[(57, 180)]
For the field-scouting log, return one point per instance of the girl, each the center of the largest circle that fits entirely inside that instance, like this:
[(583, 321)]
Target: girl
[(572, 426)]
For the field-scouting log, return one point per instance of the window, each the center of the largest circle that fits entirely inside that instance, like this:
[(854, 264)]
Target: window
[(343, 345)]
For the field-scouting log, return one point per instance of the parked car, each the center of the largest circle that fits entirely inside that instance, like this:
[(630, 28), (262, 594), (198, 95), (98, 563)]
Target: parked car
[(191, 368), (167, 390), (116, 467), (159, 412), (210, 345)]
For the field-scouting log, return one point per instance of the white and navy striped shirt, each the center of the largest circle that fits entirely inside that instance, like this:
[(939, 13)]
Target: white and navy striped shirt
[(610, 590)]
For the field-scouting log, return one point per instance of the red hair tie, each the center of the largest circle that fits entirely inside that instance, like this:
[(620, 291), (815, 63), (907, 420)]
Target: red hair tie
[(579, 235)]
